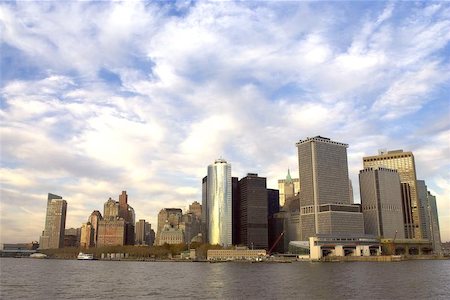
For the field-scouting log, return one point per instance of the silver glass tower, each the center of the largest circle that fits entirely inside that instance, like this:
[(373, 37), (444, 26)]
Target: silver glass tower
[(218, 202)]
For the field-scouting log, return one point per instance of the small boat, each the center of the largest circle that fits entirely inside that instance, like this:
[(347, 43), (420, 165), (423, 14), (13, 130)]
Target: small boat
[(38, 255), (85, 256)]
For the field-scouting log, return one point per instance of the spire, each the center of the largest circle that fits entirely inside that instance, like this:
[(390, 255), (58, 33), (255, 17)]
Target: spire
[(288, 177)]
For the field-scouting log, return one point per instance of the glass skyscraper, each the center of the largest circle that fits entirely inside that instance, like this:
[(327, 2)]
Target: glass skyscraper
[(218, 211)]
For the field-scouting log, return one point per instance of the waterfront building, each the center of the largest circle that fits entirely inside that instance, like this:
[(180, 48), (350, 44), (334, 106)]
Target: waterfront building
[(253, 211), (404, 163), (288, 188), (141, 232), (171, 235), (171, 216), (94, 219), (72, 237), (87, 235), (117, 226), (218, 200), (381, 202), (240, 253), (55, 223), (435, 233), (324, 199)]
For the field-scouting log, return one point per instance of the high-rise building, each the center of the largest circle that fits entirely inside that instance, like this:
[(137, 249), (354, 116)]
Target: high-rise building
[(253, 211), (117, 225), (325, 206), (435, 233), (94, 219), (273, 202), (170, 217), (141, 232), (55, 223), (404, 163), (381, 202), (288, 188), (425, 223), (218, 203), (196, 209), (87, 235)]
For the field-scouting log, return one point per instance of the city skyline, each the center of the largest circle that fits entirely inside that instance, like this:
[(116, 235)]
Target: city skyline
[(140, 96)]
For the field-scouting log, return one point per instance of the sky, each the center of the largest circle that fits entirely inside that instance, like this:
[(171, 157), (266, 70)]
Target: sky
[(100, 97)]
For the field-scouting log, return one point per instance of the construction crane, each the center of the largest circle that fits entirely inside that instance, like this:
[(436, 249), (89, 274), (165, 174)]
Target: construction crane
[(276, 243)]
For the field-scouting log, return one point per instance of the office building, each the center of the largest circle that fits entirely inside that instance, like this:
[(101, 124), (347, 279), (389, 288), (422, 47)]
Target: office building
[(218, 200), (94, 219), (435, 233), (425, 223), (55, 223), (168, 216), (117, 226), (381, 203), (404, 163), (324, 199), (87, 235), (196, 209), (253, 211), (141, 232), (288, 188)]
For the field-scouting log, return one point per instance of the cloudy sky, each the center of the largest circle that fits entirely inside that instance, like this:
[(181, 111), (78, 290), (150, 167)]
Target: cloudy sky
[(100, 97)]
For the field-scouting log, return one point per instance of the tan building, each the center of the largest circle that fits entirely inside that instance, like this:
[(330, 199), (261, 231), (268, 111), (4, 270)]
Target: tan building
[(196, 209), (381, 202), (94, 219), (236, 254), (170, 216), (55, 223), (404, 163), (117, 226), (288, 188), (171, 235), (87, 235)]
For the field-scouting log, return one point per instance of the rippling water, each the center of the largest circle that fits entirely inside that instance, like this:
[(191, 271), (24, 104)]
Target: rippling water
[(71, 279)]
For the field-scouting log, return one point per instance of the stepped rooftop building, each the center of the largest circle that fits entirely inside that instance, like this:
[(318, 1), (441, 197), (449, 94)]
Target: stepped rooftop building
[(55, 223)]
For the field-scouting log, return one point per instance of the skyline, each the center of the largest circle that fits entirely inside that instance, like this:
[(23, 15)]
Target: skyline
[(99, 97)]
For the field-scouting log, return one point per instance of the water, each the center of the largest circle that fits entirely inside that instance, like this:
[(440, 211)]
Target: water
[(70, 279)]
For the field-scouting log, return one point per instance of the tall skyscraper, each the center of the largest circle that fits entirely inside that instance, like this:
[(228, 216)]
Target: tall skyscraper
[(55, 223), (404, 163), (288, 188), (425, 223), (117, 225), (218, 203), (141, 232), (253, 211), (381, 202), (435, 233), (325, 206)]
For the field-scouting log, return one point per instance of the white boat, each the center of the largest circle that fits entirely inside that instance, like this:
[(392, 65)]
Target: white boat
[(85, 256), (38, 255)]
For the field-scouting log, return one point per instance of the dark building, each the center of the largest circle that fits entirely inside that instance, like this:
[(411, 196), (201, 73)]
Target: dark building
[(253, 211), (273, 202)]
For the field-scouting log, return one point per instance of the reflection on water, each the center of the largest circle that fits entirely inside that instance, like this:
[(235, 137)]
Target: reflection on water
[(71, 279)]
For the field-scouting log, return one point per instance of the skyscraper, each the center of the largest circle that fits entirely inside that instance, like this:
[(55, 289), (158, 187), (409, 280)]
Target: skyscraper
[(288, 188), (435, 234), (381, 202), (55, 223), (325, 206), (403, 162), (253, 211), (218, 200)]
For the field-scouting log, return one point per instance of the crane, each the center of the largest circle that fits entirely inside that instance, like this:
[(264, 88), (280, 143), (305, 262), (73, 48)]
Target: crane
[(276, 243)]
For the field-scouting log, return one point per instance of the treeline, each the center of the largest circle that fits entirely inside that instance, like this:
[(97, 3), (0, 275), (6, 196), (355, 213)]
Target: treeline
[(165, 251)]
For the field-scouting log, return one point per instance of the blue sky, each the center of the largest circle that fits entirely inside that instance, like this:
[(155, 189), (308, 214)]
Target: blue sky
[(98, 97)]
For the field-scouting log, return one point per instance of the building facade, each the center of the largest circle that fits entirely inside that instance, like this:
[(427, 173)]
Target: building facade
[(219, 203), (404, 163), (253, 211), (324, 198), (381, 202), (55, 223), (117, 226), (288, 188), (168, 216), (435, 233)]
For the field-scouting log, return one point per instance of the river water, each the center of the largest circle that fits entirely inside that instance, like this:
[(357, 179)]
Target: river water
[(23, 278)]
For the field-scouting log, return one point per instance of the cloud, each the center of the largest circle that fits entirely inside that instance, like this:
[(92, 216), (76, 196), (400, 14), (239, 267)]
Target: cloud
[(112, 96)]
